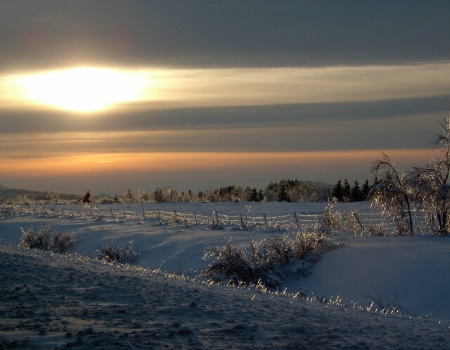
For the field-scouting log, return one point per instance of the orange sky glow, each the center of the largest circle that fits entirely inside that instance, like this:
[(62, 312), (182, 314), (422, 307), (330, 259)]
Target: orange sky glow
[(90, 164)]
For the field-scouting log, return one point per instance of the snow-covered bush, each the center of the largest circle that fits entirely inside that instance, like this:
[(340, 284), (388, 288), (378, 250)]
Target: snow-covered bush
[(120, 254), (46, 238), (332, 219), (39, 239), (379, 230), (352, 223), (270, 262), (230, 262), (62, 242)]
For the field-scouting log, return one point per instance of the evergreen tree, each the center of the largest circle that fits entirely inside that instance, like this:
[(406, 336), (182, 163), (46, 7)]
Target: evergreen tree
[(356, 193), (338, 191), (260, 196), (347, 192), (365, 190), (86, 198), (129, 196)]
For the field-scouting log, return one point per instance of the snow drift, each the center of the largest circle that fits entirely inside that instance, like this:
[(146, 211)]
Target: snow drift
[(100, 304)]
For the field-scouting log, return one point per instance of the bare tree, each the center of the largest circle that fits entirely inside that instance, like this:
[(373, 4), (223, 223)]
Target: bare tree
[(431, 182), (392, 195)]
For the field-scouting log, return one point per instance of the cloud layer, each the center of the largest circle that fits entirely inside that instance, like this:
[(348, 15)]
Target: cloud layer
[(241, 92), (222, 34)]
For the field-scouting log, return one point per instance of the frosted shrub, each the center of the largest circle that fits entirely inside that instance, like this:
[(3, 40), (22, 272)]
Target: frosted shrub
[(269, 262), (278, 250), (62, 242), (121, 254), (229, 262), (378, 230), (36, 239), (389, 308), (331, 219), (46, 238), (309, 246), (353, 225)]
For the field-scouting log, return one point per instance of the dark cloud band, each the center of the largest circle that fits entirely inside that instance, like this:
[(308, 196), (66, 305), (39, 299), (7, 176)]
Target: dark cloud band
[(222, 34)]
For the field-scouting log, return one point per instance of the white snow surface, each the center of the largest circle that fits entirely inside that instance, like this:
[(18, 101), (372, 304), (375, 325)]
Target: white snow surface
[(51, 301)]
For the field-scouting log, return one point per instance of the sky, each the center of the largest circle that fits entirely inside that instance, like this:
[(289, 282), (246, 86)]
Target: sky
[(111, 95)]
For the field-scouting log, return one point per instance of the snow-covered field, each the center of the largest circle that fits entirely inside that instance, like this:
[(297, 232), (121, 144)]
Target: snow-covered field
[(68, 301)]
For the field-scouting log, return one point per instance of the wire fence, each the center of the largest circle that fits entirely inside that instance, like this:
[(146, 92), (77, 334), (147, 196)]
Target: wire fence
[(366, 221)]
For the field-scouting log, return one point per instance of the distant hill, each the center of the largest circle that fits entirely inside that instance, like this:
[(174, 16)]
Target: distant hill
[(7, 194)]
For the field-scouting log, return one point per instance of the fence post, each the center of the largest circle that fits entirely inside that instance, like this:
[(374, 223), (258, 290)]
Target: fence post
[(359, 222), (215, 225), (296, 220), (265, 220), (195, 218), (242, 221)]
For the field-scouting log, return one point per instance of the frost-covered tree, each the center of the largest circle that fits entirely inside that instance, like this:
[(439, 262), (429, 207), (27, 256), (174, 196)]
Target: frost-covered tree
[(271, 192), (170, 194), (186, 197), (252, 194), (392, 194), (166, 194), (142, 196), (296, 191), (208, 195), (230, 193), (128, 197), (158, 195), (431, 182), (54, 196)]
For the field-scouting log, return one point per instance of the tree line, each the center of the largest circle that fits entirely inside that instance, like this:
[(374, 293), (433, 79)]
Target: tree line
[(346, 193), (282, 191)]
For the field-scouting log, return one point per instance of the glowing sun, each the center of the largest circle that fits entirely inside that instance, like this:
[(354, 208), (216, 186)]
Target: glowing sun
[(84, 89)]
